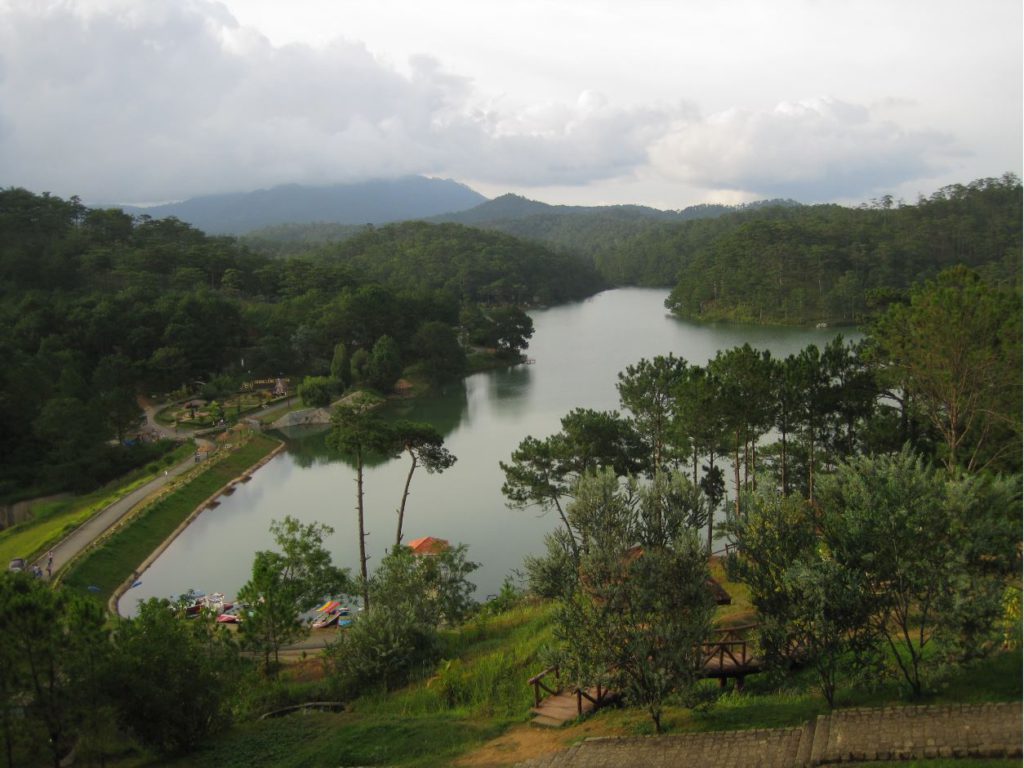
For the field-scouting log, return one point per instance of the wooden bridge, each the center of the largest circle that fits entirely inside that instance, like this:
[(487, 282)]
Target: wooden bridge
[(729, 653), (560, 706)]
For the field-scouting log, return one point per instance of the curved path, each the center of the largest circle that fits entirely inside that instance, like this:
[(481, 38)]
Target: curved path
[(65, 551), (92, 528)]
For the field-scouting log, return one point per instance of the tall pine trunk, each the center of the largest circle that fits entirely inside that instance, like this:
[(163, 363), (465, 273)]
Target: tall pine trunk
[(405, 497), (362, 533), (736, 471), (785, 479)]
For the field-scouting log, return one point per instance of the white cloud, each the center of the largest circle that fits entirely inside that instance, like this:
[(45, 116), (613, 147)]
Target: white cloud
[(168, 99), (815, 149), (121, 100)]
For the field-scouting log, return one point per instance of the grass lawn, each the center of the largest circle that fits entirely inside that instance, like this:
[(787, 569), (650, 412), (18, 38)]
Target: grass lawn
[(53, 521), (794, 701), (345, 740), (114, 560)]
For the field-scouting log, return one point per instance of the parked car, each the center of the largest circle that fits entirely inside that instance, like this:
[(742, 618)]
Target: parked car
[(16, 565)]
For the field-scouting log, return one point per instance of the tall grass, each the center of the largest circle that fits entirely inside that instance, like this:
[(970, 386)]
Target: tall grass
[(467, 700), (487, 663)]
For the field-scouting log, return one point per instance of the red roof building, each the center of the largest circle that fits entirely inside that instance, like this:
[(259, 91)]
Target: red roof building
[(428, 545)]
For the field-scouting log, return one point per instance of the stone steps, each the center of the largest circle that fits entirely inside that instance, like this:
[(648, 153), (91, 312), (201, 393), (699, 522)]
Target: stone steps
[(890, 733)]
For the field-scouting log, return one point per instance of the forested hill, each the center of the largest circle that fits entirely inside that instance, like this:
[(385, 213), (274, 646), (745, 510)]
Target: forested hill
[(604, 234), (478, 265), (777, 261), (377, 201), (516, 207), (591, 231), (97, 306), (828, 263)]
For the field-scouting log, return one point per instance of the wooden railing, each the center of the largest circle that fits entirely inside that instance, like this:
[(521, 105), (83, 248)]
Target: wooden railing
[(603, 694), (725, 656), (540, 683), (728, 653), (537, 681), (727, 550)]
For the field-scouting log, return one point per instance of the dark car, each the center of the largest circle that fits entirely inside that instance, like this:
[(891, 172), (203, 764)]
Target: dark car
[(16, 565)]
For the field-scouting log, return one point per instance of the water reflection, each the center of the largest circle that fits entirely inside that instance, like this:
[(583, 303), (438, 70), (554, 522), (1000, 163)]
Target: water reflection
[(511, 386), (446, 408), (308, 447)]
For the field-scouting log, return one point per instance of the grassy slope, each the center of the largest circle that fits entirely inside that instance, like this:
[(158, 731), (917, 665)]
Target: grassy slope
[(114, 560), (53, 521), (479, 693), (473, 696)]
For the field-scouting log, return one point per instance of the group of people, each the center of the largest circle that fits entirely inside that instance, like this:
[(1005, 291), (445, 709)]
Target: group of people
[(38, 572)]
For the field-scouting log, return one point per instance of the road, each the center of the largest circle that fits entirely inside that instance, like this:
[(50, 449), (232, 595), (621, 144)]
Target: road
[(94, 527)]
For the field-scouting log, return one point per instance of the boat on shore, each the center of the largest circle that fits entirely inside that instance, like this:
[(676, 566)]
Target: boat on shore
[(330, 613), (231, 615), (194, 603)]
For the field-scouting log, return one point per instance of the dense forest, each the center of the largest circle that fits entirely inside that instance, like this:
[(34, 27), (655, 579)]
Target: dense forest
[(612, 236), (97, 306), (480, 266), (774, 261), (780, 262), (836, 265)]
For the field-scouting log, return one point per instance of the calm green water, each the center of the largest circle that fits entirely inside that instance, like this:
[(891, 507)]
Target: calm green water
[(578, 350)]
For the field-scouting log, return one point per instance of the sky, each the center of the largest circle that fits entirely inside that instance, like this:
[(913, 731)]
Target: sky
[(666, 103)]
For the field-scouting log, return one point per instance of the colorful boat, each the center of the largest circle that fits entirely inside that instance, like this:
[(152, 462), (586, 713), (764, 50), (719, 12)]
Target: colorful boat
[(330, 613), (325, 620), (231, 615)]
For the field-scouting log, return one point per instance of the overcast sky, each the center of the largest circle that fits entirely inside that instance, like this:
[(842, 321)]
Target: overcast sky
[(667, 102)]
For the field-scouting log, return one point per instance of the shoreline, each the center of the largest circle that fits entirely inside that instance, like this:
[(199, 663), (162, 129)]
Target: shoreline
[(137, 573), (119, 592)]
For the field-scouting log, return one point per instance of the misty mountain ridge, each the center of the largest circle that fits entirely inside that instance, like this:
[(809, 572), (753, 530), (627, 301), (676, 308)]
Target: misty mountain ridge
[(378, 201), (511, 207), (575, 228)]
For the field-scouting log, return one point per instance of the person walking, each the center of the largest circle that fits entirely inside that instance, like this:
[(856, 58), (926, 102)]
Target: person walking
[(49, 564)]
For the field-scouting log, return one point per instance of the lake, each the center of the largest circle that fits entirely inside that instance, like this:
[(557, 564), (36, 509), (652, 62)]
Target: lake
[(578, 350)]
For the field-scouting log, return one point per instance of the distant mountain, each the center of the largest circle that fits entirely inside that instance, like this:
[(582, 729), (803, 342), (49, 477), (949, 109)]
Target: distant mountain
[(371, 202), (508, 208)]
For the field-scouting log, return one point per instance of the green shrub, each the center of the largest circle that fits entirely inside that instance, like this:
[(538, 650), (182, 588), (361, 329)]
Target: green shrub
[(385, 648)]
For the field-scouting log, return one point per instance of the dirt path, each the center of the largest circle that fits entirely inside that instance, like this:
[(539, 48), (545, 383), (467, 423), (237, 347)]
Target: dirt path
[(529, 742), (152, 425)]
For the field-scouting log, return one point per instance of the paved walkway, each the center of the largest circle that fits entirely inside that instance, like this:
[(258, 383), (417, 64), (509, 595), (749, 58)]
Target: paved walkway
[(891, 733), (94, 527)]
